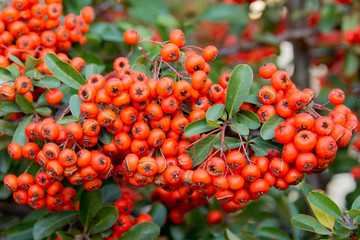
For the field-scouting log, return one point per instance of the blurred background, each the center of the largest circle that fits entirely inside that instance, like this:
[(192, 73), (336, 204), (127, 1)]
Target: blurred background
[(316, 41)]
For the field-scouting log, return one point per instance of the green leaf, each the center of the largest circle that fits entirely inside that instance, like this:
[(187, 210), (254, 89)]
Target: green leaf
[(22, 230), (142, 231), (235, 14), (215, 112), (64, 71), (274, 233), (24, 104), (238, 88), (91, 69), (229, 235), (66, 120), (90, 203), (104, 219), (351, 64), (353, 213), (9, 107), (5, 75), (267, 131), (242, 128), (138, 67), (325, 204), (49, 223), (200, 151), (75, 103), (110, 193), (197, 127), (15, 59), (19, 135), (14, 69), (7, 128), (350, 22), (248, 118), (159, 213), (47, 81), (105, 137), (261, 146), (31, 63), (310, 224), (44, 111), (322, 217), (356, 203), (253, 98), (231, 142)]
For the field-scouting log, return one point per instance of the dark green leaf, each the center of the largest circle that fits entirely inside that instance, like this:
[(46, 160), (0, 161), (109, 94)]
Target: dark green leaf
[(197, 127), (104, 219), (64, 71), (47, 82), (91, 69), (201, 150), (51, 222), (105, 137), (75, 103), (43, 111), (248, 118), (274, 233), (7, 128), (31, 63), (323, 202), (15, 59), (229, 235), (159, 213), (267, 131), (9, 107), (310, 224), (19, 135), (22, 230), (238, 88), (24, 104), (231, 143), (110, 193), (90, 203), (142, 231), (261, 146)]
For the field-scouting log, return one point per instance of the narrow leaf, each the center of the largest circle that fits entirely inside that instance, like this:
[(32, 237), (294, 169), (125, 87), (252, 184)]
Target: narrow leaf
[(7, 128), (75, 103), (15, 59), (47, 82), (24, 104), (19, 135), (159, 213), (201, 150), (45, 111), (64, 71), (238, 88)]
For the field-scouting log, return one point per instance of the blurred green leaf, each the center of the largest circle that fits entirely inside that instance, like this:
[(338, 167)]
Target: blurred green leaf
[(91, 69), (15, 59), (273, 233), (15, 71), (232, 13), (142, 231), (105, 137), (351, 63), (229, 235), (22, 230), (159, 213), (31, 62), (356, 203), (238, 88), (43, 111), (104, 219), (7, 128), (49, 223), (65, 235), (47, 81)]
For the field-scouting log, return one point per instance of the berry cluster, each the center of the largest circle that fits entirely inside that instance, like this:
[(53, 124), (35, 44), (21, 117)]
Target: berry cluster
[(125, 205), (353, 36), (40, 191), (31, 28)]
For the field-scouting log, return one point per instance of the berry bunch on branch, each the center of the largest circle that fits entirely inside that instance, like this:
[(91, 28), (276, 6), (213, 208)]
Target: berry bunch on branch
[(167, 123)]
